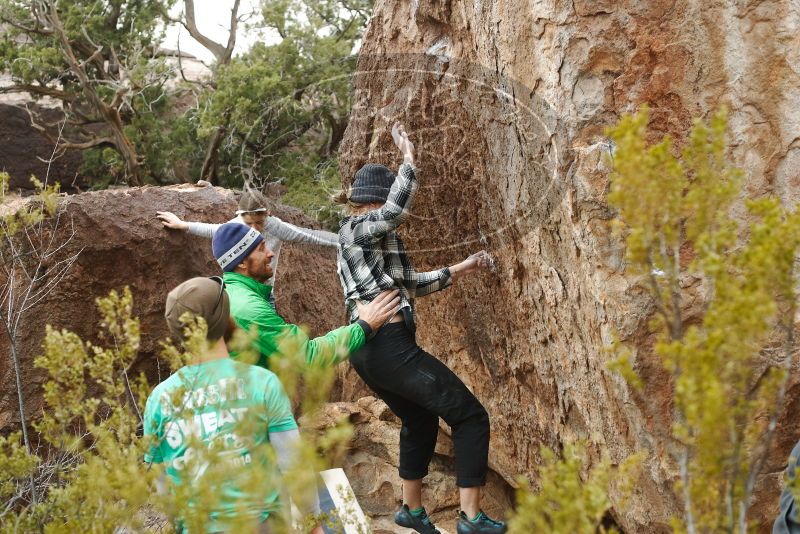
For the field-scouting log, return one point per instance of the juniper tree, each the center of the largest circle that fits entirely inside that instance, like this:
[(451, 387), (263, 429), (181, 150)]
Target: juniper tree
[(286, 105), (99, 60)]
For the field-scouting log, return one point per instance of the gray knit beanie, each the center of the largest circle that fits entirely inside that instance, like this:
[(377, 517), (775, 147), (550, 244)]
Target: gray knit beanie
[(372, 184)]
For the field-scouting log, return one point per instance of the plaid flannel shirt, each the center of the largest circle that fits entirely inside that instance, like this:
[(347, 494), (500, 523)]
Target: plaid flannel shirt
[(372, 258)]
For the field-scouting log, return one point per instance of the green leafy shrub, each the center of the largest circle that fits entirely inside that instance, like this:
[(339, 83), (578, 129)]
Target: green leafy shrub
[(729, 367), (90, 475), (572, 497)]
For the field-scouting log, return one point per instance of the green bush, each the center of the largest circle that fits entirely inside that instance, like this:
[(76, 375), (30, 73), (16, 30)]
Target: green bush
[(89, 471), (572, 495), (729, 367)]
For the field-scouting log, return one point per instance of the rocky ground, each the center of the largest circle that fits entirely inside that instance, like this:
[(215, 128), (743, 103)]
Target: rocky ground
[(371, 467)]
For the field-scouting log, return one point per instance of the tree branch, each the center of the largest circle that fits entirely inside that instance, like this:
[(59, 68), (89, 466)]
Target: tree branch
[(120, 141), (26, 29), (92, 143), (180, 68), (113, 18), (94, 51), (223, 55), (42, 90), (64, 144), (364, 14), (763, 448), (214, 47), (233, 28)]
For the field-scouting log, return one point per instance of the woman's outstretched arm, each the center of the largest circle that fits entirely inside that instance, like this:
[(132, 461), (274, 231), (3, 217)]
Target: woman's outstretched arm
[(170, 220), (295, 234), (433, 281)]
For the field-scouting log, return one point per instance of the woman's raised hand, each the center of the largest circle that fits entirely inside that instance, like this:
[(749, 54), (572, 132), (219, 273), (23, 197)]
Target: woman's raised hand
[(474, 262), (480, 260), (402, 142)]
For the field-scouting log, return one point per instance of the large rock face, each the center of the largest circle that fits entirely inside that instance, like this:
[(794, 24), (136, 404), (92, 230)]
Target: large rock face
[(506, 102), (120, 242)]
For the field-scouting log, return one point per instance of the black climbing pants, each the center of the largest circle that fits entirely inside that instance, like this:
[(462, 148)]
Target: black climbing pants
[(419, 389)]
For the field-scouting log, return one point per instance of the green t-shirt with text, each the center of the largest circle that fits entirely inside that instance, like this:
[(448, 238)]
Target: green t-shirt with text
[(226, 407)]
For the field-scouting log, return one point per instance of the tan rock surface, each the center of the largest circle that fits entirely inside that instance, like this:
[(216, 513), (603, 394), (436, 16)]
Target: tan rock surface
[(506, 102)]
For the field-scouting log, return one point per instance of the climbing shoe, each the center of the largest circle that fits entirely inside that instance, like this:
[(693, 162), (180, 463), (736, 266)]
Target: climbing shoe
[(482, 524), (418, 521)]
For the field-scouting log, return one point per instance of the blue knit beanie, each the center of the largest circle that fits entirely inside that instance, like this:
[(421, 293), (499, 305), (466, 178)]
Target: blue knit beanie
[(372, 184), (232, 243)]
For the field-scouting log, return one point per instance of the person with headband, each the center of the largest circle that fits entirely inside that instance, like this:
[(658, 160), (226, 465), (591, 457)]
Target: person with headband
[(247, 261), (416, 386), (207, 399), (254, 211)]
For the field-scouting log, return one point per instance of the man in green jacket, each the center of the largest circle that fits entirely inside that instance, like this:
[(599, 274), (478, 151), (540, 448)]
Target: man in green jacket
[(245, 261)]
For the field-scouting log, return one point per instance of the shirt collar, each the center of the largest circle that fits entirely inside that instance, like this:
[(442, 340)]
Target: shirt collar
[(238, 279)]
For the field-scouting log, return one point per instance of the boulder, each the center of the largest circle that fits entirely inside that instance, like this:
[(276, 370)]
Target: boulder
[(119, 242), (25, 152), (506, 102)]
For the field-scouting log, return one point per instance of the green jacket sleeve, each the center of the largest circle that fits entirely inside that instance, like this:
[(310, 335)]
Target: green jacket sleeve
[(275, 337)]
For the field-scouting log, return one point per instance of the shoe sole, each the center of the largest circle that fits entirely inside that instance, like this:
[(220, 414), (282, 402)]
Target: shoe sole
[(472, 530), (412, 527)]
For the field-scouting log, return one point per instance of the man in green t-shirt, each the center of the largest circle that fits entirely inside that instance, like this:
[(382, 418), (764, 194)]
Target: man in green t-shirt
[(244, 257), (223, 415)]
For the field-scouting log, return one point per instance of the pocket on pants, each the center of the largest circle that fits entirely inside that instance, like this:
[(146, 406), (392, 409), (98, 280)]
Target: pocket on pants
[(429, 386), (427, 376)]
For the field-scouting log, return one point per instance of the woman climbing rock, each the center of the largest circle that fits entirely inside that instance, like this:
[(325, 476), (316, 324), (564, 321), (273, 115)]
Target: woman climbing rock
[(416, 386)]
